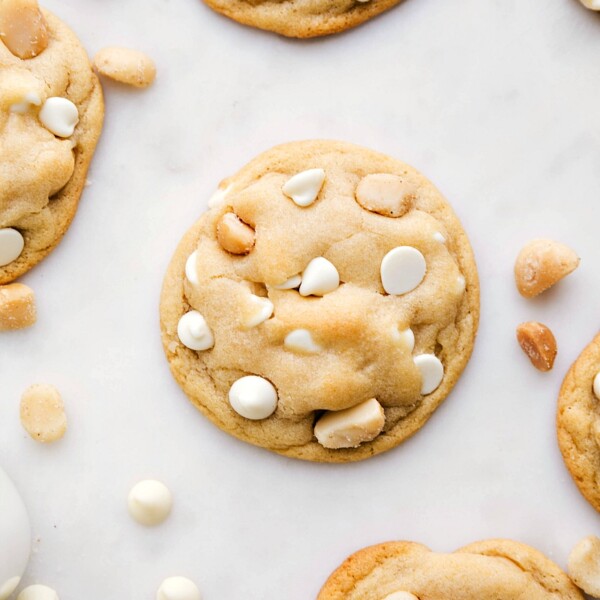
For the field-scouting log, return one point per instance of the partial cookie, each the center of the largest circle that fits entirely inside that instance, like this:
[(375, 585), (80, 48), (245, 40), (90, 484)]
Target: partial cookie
[(302, 18), (51, 113), (578, 422), (487, 570), (324, 306)]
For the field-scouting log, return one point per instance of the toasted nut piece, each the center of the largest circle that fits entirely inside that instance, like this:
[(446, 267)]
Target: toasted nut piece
[(584, 565), (23, 28), (126, 66), (538, 343), (540, 264), (385, 194), (234, 235), (43, 413), (350, 427), (17, 306)]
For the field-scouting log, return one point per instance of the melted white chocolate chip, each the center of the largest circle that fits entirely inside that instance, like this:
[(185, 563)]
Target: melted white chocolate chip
[(29, 99), (290, 284), (194, 332), (432, 372), (596, 386), (11, 245), (253, 397), (190, 269), (301, 340), (256, 311), (319, 278), (404, 338), (303, 188), (59, 116), (401, 596), (402, 270)]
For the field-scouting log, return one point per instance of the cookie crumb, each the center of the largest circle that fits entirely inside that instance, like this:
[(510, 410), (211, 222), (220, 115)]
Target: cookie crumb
[(17, 307), (43, 413)]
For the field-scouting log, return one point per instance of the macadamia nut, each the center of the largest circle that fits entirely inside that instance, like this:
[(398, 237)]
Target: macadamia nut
[(584, 565), (17, 307), (538, 342), (234, 235), (23, 28), (43, 413), (125, 65)]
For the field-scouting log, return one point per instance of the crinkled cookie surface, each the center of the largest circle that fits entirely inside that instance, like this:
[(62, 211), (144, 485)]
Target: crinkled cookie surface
[(302, 18), (578, 422), (487, 570), (363, 343), (42, 174)]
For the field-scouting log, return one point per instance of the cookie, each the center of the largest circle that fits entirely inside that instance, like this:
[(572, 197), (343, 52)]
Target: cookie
[(51, 113), (578, 422), (324, 306), (302, 18), (486, 570)]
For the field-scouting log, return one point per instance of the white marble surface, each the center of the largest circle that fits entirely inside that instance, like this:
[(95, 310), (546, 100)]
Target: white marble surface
[(497, 102)]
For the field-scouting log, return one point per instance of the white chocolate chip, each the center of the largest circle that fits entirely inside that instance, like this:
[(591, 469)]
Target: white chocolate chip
[(194, 332), (402, 270), (438, 237), (319, 278), (218, 198), (350, 427), (301, 340), (256, 311), (401, 596), (30, 99), (303, 188), (59, 116), (150, 502), (125, 65), (460, 284), (8, 587), (385, 194), (178, 588), (253, 397), (591, 4), (11, 245), (290, 284), (38, 592), (584, 565), (596, 386), (432, 372), (43, 413), (190, 269), (404, 338)]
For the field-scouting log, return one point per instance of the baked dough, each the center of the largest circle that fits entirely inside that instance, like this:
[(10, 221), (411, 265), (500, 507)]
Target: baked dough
[(302, 18), (42, 175), (359, 333), (487, 570), (578, 423)]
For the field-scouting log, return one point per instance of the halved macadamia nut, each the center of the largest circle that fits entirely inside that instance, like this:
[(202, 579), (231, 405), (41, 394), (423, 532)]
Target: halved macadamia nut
[(542, 263), (351, 427), (125, 65), (385, 194), (538, 342), (23, 28), (234, 235), (17, 307)]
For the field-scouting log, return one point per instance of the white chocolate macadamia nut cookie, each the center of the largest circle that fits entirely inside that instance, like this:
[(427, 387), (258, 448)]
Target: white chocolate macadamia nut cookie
[(333, 330), (487, 570), (51, 113)]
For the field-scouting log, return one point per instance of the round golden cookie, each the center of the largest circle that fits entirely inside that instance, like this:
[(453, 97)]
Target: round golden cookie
[(41, 174), (350, 369), (302, 18), (487, 570), (578, 422)]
